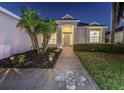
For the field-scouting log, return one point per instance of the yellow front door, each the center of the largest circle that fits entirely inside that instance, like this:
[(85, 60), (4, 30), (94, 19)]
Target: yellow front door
[(67, 34), (67, 39)]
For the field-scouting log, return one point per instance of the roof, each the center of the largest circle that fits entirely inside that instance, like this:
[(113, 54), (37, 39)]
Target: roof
[(91, 24), (82, 24), (119, 29), (9, 13), (67, 17), (96, 24)]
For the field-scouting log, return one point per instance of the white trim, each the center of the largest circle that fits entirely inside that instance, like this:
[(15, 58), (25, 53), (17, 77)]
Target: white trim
[(94, 23), (9, 13), (67, 16), (68, 21), (96, 26)]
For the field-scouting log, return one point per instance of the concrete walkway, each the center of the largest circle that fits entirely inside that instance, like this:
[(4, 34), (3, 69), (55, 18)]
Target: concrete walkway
[(68, 61), (37, 79)]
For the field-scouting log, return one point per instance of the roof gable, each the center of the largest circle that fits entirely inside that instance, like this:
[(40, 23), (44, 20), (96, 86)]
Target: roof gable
[(94, 24), (9, 13), (67, 17)]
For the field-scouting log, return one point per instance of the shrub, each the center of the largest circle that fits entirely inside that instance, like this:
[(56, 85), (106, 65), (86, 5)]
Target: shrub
[(21, 58), (118, 48)]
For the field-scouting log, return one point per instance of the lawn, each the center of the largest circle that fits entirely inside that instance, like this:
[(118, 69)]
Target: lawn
[(106, 69)]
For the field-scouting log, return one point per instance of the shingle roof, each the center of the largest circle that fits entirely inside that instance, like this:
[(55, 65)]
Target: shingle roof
[(91, 24), (68, 17), (83, 24), (119, 29)]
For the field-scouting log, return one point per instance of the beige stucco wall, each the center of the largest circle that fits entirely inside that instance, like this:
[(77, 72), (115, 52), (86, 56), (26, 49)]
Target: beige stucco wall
[(119, 37), (17, 39), (83, 34)]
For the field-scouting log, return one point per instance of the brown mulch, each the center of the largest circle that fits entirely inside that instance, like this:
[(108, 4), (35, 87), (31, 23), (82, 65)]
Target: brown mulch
[(33, 60)]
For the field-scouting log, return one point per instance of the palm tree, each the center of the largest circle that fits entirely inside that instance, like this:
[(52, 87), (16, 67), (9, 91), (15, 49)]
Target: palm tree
[(113, 22), (120, 11), (47, 27), (116, 16), (29, 21)]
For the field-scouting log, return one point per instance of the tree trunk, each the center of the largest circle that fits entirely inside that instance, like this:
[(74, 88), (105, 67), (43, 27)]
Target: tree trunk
[(45, 43), (36, 43), (46, 46), (113, 22), (32, 41)]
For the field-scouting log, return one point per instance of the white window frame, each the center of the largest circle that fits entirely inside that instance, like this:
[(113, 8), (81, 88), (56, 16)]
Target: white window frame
[(94, 36)]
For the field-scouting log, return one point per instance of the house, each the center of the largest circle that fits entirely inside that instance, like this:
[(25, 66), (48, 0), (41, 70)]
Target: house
[(69, 31), (12, 39), (119, 35)]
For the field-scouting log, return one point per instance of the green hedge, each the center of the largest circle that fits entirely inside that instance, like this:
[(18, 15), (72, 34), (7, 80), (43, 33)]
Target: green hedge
[(119, 48)]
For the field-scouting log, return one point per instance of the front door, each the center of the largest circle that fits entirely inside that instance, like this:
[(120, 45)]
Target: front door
[(66, 39)]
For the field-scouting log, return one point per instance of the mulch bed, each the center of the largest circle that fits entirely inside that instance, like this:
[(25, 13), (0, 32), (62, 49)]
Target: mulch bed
[(33, 60)]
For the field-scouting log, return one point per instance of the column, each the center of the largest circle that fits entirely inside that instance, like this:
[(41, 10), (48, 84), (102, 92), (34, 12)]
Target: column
[(58, 31)]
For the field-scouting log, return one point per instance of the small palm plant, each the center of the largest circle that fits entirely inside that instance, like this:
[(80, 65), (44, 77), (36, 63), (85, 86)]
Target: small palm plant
[(46, 27), (21, 58), (29, 21)]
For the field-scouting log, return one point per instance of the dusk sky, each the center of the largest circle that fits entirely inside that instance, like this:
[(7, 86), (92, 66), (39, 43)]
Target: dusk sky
[(86, 12)]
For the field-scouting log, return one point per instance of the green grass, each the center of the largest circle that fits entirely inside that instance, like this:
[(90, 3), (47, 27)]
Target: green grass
[(106, 69)]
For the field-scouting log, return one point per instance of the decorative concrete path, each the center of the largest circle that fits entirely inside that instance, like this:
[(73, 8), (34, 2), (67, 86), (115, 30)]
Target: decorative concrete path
[(37, 79), (68, 61)]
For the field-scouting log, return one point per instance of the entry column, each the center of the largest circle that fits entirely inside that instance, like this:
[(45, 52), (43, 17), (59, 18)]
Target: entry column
[(59, 40)]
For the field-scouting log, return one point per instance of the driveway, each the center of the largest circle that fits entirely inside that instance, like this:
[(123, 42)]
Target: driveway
[(37, 79)]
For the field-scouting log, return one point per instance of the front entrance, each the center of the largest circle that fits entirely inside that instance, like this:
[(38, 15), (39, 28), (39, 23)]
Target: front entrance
[(66, 39)]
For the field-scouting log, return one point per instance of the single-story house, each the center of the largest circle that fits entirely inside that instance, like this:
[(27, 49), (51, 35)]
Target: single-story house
[(69, 31), (119, 35)]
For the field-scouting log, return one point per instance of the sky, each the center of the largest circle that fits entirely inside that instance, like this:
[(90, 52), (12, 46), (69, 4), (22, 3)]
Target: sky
[(86, 12)]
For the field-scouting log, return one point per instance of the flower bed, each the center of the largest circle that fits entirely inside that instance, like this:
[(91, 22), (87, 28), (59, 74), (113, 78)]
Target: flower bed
[(31, 59)]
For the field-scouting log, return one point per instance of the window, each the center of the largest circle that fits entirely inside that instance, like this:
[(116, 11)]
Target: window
[(53, 39), (118, 37), (94, 36)]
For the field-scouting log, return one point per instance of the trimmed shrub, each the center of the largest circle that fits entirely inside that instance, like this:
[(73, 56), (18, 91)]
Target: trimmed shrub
[(118, 48)]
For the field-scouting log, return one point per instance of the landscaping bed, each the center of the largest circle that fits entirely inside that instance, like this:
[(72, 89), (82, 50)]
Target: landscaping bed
[(31, 59), (107, 69)]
